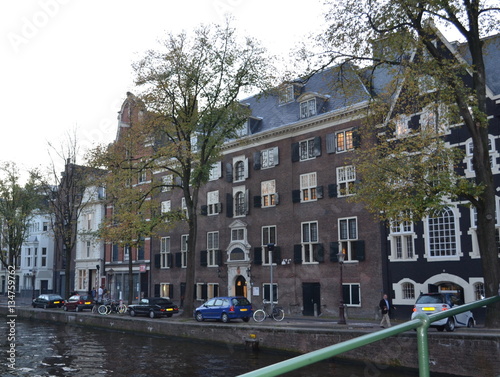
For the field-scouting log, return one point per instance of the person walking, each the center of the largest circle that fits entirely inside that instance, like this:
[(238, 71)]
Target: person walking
[(385, 308)]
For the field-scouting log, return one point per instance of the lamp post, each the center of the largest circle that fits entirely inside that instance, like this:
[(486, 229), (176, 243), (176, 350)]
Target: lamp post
[(270, 248), (340, 257), (33, 280)]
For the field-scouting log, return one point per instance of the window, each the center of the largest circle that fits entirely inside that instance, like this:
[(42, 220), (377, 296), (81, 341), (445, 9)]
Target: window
[(441, 235), (269, 158), (165, 209), (268, 193), (267, 293), (165, 253), (126, 253), (240, 207), (89, 221), (469, 150), (82, 280), (184, 208), (352, 294), (87, 248), (142, 176), (28, 257), (308, 186), (212, 248), (45, 226), (240, 166), (479, 291), (306, 150), (402, 128), (184, 249), (346, 176), (268, 236), (309, 242), (215, 171), (114, 252), (408, 290), (344, 140), (238, 234), (212, 290), (286, 94), (44, 257), (348, 234), (166, 290), (401, 238), (167, 182), (308, 108), (213, 205)]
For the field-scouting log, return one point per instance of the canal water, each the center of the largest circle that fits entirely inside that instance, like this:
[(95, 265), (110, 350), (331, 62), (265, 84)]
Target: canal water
[(46, 349)]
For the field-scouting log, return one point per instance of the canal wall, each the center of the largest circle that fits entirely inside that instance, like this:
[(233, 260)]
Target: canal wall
[(464, 354)]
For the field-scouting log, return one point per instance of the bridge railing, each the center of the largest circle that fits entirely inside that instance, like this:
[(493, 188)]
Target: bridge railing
[(421, 323)]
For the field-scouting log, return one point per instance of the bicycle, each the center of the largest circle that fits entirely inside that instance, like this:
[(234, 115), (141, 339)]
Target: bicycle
[(110, 307), (277, 314)]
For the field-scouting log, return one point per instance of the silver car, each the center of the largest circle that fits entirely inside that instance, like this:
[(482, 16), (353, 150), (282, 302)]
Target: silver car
[(431, 303)]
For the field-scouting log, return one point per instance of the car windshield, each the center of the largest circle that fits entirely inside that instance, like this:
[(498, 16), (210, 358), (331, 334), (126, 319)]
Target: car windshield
[(240, 301), (430, 299), (162, 301)]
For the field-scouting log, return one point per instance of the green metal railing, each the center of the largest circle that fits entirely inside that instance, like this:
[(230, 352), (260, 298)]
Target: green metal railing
[(421, 323)]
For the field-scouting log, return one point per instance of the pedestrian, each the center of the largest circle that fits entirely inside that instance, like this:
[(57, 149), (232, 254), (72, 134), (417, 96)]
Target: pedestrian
[(385, 307), (100, 293)]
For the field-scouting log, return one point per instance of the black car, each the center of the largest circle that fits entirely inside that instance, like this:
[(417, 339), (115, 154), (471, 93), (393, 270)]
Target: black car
[(48, 301), (154, 307)]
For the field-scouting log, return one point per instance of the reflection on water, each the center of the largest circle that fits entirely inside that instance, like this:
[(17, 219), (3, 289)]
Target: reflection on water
[(46, 349)]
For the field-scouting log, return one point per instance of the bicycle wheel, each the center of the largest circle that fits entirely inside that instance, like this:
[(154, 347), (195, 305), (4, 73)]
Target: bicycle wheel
[(102, 310), (259, 315), (122, 309), (94, 309), (278, 314), (108, 309)]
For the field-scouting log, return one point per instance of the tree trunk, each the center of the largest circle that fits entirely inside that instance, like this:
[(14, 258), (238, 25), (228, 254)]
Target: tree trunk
[(130, 278)]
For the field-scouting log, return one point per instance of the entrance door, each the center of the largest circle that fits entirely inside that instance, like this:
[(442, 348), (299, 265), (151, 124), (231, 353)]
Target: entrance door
[(311, 295), (44, 286), (241, 286)]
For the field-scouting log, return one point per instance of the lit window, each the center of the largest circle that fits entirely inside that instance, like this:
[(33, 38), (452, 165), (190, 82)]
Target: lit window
[(346, 176), (348, 234), (268, 193), (344, 140), (213, 205), (308, 184)]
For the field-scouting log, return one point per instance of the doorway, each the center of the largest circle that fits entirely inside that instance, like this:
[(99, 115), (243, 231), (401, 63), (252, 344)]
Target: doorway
[(240, 288), (311, 295)]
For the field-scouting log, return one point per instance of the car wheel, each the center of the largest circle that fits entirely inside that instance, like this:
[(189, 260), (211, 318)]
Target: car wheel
[(45, 306), (152, 314), (224, 318), (470, 323), (246, 319), (132, 312), (439, 328), (199, 317), (450, 325)]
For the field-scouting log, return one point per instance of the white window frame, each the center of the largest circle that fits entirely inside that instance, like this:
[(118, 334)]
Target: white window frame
[(212, 247), (167, 182), (268, 235), (268, 193), (165, 207), (494, 155), (349, 301), (269, 158), (215, 171), (237, 232), (309, 241), (184, 249), (240, 201), (402, 239), (450, 240), (275, 296), (240, 174), (346, 176), (286, 94), (308, 108), (306, 150), (308, 185), (164, 252), (347, 236), (402, 127), (344, 140)]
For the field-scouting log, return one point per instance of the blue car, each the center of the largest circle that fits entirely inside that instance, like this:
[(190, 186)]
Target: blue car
[(224, 309)]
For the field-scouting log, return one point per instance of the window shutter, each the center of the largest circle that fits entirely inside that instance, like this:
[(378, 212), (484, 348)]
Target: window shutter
[(229, 205), (332, 190), (320, 253), (157, 261), (317, 146), (178, 259), (276, 199), (359, 247), (246, 172), (257, 255), (218, 257), (204, 291), (170, 291), (297, 254), (218, 208), (256, 161), (295, 152), (330, 143), (247, 201), (276, 156), (295, 196), (334, 250), (170, 258), (203, 258), (356, 138), (157, 290), (277, 255), (229, 172), (204, 210), (319, 192), (257, 201)]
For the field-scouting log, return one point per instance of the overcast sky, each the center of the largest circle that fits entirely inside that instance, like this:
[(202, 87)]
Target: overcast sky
[(67, 63)]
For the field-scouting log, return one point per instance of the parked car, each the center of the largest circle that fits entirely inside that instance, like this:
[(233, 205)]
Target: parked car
[(154, 307), (48, 301), (224, 309), (79, 303), (431, 303)]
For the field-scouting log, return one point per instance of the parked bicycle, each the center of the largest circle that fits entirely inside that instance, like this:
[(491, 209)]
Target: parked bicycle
[(277, 314), (109, 306)]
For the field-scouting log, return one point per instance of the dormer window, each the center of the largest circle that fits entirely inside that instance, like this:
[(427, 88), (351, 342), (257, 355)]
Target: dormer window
[(286, 94), (308, 108)]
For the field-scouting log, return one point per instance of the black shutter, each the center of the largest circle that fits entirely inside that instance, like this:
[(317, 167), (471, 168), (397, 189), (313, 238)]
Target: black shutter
[(157, 290), (297, 254), (277, 255), (295, 196), (330, 143), (229, 205), (218, 257), (257, 255), (204, 291), (356, 138), (204, 210), (218, 208), (157, 261), (256, 161), (332, 190), (203, 258), (170, 259), (359, 249), (295, 152), (171, 291), (229, 172), (319, 192), (320, 253), (334, 250), (317, 146), (257, 201), (178, 259)]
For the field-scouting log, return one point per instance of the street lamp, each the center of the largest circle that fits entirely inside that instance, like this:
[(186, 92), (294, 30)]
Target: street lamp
[(340, 257), (270, 248)]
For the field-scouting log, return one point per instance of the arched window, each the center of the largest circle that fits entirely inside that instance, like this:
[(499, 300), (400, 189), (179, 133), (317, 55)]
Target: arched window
[(239, 171), (239, 204), (408, 290), (442, 234)]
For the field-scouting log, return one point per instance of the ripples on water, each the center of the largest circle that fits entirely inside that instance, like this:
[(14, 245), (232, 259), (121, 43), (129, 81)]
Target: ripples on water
[(46, 349)]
